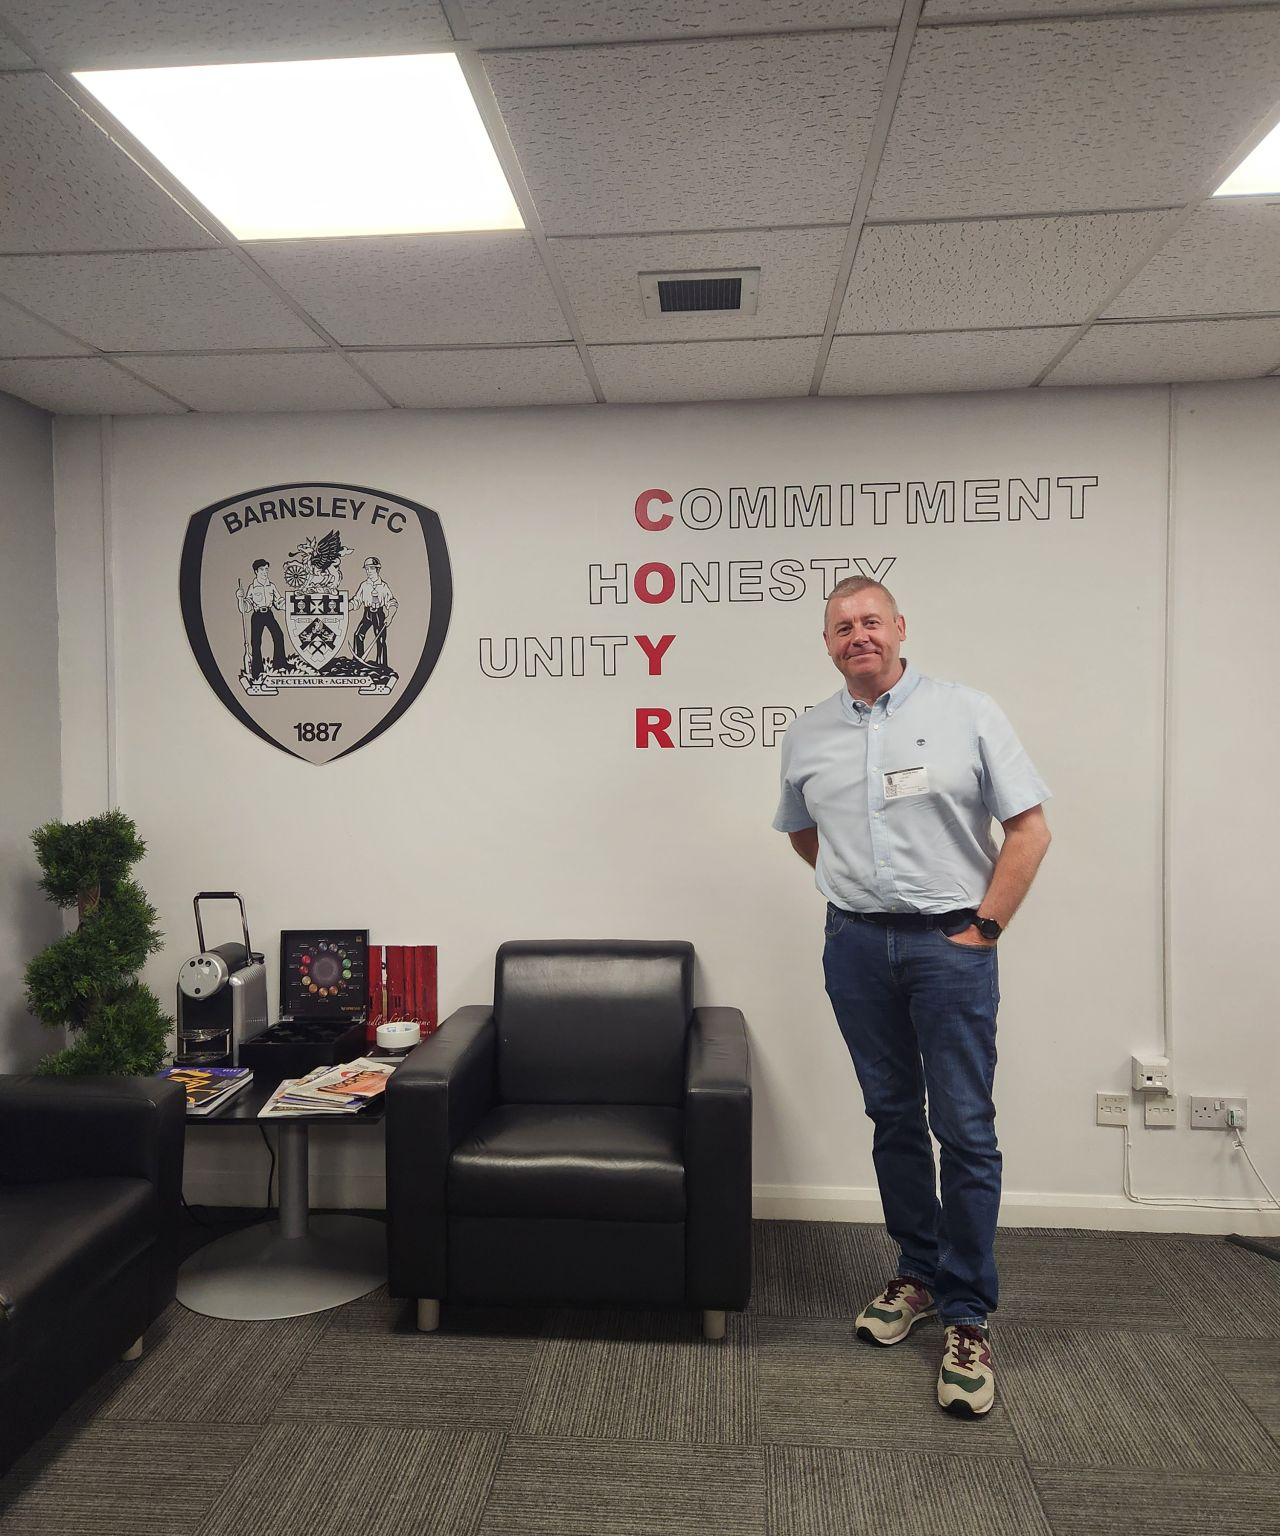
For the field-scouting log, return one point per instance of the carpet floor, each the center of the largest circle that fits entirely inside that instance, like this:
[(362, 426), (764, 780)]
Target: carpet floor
[(1139, 1393)]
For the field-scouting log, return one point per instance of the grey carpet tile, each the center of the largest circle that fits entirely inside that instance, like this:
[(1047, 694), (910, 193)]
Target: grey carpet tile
[(115, 1479), (1087, 1397), (209, 1370), (1219, 1289), (549, 1487), (471, 1374), (359, 1480), (817, 1384), (1249, 1369), (1089, 1502), (641, 1376), (880, 1492), (818, 1268), (1068, 1281)]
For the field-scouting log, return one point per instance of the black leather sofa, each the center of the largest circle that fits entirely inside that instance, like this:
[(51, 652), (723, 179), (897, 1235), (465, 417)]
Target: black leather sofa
[(90, 1195), (587, 1140)]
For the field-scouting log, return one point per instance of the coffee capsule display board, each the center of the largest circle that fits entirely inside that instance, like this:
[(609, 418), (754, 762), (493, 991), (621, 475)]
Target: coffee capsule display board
[(324, 973)]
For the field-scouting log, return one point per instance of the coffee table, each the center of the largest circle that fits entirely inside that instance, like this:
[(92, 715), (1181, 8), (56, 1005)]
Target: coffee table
[(299, 1263)]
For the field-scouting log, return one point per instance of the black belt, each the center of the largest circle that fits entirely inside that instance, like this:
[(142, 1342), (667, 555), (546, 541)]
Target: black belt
[(920, 921)]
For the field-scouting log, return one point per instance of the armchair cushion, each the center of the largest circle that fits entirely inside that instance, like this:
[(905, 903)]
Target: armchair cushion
[(619, 1162), (63, 1241)]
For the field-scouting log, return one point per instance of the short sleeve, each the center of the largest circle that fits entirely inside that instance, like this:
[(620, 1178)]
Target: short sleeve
[(1010, 783), (792, 814)]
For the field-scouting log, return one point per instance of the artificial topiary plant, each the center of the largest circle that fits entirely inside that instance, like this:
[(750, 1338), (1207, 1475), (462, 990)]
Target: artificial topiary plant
[(88, 980)]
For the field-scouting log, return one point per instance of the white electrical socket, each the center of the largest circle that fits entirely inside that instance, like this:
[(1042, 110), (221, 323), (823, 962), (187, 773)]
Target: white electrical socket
[(1112, 1108), (1160, 1111), (1211, 1114)]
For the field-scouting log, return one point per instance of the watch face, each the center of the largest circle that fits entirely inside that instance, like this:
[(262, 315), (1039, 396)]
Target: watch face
[(987, 927)]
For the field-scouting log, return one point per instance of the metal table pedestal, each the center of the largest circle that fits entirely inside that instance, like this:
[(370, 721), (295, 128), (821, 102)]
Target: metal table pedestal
[(290, 1267)]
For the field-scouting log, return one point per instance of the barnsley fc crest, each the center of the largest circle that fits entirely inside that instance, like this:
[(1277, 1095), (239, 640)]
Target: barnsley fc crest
[(317, 612)]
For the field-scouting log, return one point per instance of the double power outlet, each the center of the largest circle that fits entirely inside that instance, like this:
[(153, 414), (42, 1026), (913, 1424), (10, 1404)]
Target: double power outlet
[(1160, 1110)]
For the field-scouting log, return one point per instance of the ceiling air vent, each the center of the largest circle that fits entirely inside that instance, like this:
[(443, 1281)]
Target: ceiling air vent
[(683, 293)]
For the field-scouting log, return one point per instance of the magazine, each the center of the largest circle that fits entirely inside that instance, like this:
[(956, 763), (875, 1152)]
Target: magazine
[(342, 1090), (207, 1088)]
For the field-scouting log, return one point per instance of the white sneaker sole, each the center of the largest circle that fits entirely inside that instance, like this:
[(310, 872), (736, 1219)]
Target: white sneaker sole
[(960, 1409)]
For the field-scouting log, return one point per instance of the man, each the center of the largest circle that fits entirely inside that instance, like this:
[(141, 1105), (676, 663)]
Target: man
[(889, 789), (375, 597), (259, 601)]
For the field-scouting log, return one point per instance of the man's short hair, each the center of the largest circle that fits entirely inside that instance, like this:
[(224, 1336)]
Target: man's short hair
[(261, 565), (854, 584)]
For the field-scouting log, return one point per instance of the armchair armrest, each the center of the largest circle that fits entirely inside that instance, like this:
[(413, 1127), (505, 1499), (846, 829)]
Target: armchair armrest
[(717, 1158), (55, 1128), (434, 1099)]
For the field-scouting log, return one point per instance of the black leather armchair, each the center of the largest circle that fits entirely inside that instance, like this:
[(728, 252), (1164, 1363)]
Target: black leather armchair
[(90, 1195), (585, 1141)]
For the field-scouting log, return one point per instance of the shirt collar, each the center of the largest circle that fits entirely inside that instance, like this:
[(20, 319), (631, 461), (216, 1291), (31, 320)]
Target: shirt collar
[(888, 702)]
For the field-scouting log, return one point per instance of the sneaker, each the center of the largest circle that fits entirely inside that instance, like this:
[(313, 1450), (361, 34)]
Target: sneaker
[(894, 1313), (966, 1382)]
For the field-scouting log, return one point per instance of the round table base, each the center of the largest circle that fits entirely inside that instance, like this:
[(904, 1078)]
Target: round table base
[(257, 1273)]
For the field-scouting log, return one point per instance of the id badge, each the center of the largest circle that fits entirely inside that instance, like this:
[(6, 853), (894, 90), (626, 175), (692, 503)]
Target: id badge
[(906, 781)]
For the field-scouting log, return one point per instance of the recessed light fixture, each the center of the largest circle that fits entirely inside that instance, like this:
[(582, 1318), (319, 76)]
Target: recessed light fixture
[(321, 147), (1258, 174)]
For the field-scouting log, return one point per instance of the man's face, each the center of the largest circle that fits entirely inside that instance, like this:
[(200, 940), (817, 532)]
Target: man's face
[(863, 638), (263, 571)]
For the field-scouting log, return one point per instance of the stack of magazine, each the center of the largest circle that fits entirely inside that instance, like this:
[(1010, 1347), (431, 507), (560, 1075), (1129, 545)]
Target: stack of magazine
[(342, 1090), (207, 1088)]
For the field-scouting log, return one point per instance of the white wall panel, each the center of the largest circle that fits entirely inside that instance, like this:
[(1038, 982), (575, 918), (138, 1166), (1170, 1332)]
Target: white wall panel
[(29, 744), (503, 807)]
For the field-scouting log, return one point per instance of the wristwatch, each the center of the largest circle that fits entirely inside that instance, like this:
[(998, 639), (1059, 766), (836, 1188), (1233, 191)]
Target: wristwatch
[(988, 927)]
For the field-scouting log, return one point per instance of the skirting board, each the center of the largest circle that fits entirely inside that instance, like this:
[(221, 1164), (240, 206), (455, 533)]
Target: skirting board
[(784, 1202), (1091, 1213)]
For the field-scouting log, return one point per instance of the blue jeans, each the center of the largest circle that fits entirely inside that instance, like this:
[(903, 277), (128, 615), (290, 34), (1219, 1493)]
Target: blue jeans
[(918, 1014)]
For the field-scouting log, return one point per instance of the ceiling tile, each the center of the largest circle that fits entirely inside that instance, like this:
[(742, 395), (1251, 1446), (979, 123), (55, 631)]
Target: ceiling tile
[(709, 135), (420, 289), (118, 34), (155, 301), (264, 381), (992, 272), (81, 386), (1075, 115), (1225, 261), (65, 187), (516, 23), (985, 10), (707, 370), (926, 364), (23, 336), (1178, 352), (797, 270), (481, 376)]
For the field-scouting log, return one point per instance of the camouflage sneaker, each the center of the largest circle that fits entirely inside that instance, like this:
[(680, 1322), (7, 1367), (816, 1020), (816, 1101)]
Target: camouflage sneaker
[(966, 1382), (894, 1312)]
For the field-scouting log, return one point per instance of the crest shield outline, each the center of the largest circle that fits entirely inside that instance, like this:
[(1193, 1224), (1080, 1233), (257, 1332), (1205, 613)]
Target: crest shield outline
[(394, 689)]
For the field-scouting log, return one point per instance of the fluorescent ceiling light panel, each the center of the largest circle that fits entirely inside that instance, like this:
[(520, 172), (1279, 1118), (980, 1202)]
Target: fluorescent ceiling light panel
[(319, 148), (1258, 173)]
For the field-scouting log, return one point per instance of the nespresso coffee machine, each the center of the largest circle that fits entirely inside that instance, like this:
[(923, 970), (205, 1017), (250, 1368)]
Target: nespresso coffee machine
[(222, 996)]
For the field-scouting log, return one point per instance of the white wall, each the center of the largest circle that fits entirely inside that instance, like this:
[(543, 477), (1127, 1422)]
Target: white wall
[(29, 742), (520, 807)]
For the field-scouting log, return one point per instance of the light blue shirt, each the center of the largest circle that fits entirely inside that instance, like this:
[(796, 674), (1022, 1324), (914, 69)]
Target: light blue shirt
[(903, 792)]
